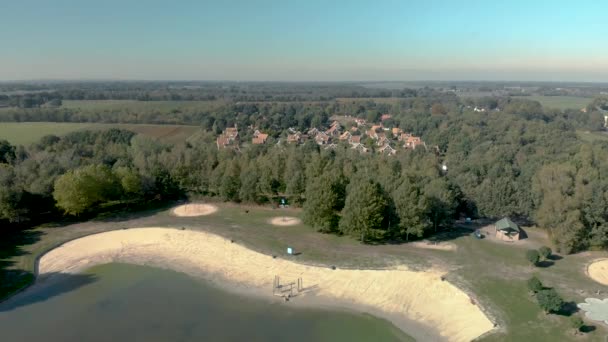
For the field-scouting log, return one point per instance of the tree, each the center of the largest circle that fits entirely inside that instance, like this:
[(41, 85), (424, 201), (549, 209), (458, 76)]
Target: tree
[(322, 200), (79, 190), (364, 209), (7, 152), (549, 300), (532, 256), (544, 252), (535, 285), (576, 323), (412, 208), (231, 182)]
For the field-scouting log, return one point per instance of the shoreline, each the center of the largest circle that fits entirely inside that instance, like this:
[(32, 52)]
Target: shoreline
[(419, 303)]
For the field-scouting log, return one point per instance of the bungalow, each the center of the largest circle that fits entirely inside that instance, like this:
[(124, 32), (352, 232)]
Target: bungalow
[(322, 138), (259, 138), (372, 133), (507, 230), (345, 136), (228, 139), (360, 147), (413, 142), (334, 130), (387, 150), (360, 122), (294, 138)]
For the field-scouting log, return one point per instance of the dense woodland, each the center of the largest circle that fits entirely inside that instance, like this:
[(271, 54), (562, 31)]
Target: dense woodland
[(514, 159)]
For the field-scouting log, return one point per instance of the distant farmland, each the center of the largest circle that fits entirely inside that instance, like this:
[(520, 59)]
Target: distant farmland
[(135, 105), (24, 133), (559, 102)]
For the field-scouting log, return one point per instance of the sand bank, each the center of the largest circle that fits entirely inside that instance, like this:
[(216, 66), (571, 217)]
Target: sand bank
[(194, 209), (403, 295), (285, 221), (598, 271)]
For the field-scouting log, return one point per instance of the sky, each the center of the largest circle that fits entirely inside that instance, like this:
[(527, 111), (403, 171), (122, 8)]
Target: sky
[(306, 40)]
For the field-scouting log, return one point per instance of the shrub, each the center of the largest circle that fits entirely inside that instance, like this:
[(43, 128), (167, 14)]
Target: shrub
[(532, 256), (535, 285), (576, 323), (544, 252), (549, 300)]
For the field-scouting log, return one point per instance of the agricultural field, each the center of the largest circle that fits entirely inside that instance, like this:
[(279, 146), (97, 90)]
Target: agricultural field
[(24, 133), (559, 102), (162, 106)]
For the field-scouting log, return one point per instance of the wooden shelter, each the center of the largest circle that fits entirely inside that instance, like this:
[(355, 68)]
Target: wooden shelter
[(507, 230)]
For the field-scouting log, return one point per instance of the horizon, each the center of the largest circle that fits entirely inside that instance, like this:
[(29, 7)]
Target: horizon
[(277, 41)]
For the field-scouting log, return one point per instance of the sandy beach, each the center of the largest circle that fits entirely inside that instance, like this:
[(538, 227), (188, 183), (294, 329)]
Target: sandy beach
[(400, 295), (598, 271)]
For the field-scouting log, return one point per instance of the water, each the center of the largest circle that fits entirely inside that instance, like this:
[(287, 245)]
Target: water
[(119, 302)]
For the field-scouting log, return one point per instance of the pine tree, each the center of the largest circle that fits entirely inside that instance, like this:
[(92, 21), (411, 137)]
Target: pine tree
[(364, 210), (412, 208)]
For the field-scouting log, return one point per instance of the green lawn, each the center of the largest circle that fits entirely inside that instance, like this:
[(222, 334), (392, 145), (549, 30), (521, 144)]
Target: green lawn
[(495, 273), (24, 133), (560, 102)]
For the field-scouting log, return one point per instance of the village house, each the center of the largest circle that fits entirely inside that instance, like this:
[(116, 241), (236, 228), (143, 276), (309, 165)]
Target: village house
[(396, 131), (373, 131), (412, 142), (385, 117), (322, 138), (334, 129), (345, 136), (259, 138), (294, 138), (360, 122), (360, 147), (387, 149), (229, 138), (382, 139), (354, 139)]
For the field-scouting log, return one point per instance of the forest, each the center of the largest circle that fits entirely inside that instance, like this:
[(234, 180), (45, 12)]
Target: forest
[(514, 159)]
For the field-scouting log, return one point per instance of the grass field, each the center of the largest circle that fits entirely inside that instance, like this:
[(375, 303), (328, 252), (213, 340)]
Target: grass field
[(24, 133), (495, 273), (559, 102)]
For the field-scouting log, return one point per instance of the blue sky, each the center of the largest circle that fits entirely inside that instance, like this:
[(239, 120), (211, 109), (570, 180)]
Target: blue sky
[(304, 40)]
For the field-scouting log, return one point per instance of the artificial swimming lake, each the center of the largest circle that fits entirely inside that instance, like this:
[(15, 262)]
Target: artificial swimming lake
[(120, 302)]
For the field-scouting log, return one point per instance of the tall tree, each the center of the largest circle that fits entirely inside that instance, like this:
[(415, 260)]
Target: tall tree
[(364, 210)]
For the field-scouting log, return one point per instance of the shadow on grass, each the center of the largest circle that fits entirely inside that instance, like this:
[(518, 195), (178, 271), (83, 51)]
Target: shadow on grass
[(544, 264), (555, 257), (12, 242), (51, 285), (568, 309), (588, 328)]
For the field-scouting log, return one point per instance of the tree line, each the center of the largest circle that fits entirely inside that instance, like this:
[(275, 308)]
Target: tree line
[(522, 161)]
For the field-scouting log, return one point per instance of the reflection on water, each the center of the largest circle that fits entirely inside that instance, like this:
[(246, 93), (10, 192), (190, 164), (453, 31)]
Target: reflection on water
[(118, 302)]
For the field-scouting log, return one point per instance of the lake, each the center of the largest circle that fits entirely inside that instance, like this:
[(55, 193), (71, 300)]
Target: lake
[(120, 302)]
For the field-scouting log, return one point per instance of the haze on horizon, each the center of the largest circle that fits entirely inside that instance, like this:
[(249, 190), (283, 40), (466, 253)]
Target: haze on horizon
[(312, 41)]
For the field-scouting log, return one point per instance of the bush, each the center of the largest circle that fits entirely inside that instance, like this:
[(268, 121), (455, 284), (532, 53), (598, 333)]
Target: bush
[(535, 285), (549, 300), (545, 252), (532, 256), (576, 323)]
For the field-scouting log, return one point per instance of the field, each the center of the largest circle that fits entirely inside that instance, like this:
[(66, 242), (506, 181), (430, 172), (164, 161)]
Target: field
[(24, 133), (494, 273), (162, 106), (559, 102)]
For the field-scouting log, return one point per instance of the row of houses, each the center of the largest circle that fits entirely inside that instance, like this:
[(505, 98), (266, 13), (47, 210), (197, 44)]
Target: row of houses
[(383, 138)]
